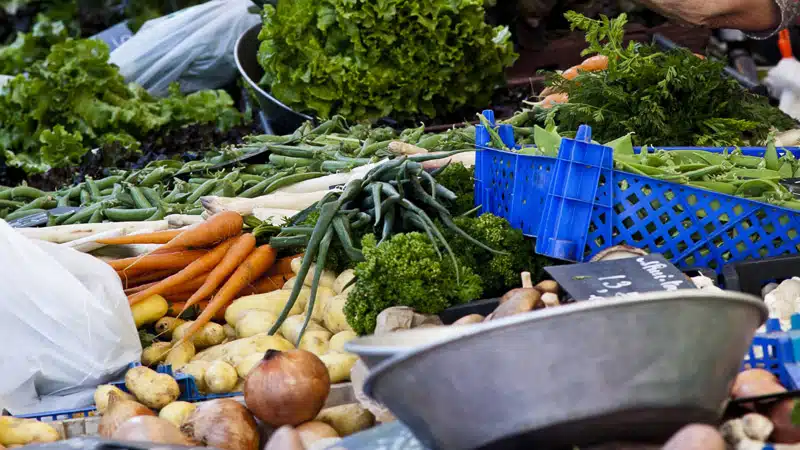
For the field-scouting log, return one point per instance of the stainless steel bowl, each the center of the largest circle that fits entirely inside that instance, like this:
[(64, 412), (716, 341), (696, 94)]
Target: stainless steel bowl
[(605, 370), (281, 118), (376, 349)]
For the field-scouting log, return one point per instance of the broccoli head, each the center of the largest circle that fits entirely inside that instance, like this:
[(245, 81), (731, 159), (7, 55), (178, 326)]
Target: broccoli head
[(498, 272), (460, 180), (405, 271)]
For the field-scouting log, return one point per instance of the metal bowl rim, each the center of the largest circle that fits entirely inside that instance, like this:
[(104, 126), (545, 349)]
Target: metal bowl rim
[(563, 310), (255, 85)]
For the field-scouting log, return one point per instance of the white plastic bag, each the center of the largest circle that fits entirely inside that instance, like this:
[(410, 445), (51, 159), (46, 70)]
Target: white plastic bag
[(65, 325), (193, 46)]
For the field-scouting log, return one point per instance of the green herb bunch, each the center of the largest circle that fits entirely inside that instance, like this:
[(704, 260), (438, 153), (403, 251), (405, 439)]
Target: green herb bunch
[(371, 59), (74, 100), (665, 98)]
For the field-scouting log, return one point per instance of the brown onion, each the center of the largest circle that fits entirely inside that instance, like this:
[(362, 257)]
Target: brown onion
[(150, 429), (754, 383), (285, 438), (313, 431), (287, 388), (224, 424), (119, 410)]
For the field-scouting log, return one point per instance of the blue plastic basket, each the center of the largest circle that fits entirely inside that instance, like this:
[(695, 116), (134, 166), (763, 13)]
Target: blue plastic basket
[(778, 352), (576, 205)]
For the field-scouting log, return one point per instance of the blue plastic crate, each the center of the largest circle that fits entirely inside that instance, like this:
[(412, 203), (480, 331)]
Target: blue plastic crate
[(775, 351), (555, 201)]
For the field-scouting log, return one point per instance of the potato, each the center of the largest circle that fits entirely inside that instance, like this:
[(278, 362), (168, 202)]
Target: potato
[(166, 325), (221, 377), (290, 328), (285, 438), (247, 363), (289, 285), (230, 332), (271, 301), (469, 319), (342, 280), (211, 334), (149, 310), (14, 431), (347, 419), (155, 353), (152, 389), (233, 352), (311, 432), (254, 321), (339, 365), (180, 355), (333, 317), (101, 396), (327, 279), (197, 369), (339, 339), (324, 295), (325, 444), (315, 341), (177, 412)]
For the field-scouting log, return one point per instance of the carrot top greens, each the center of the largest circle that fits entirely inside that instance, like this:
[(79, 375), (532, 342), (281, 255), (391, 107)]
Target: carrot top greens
[(665, 98)]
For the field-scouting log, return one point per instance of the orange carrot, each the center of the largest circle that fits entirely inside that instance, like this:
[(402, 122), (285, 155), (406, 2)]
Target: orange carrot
[(141, 287), (594, 64), (157, 262), (570, 73), (136, 278), (189, 286), (259, 261), (553, 99), (212, 231), (238, 253), (266, 284), (156, 237), (198, 267), (283, 265)]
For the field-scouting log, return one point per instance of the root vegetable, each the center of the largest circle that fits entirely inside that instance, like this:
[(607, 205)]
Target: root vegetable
[(287, 388), (343, 280), (14, 431), (180, 355), (326, 280), (315, 341), (118, 411), (149, 310), (247, 363), (155, 354), (240, 249), (547, 286), (289, 285), (67, 233), (324, 444), (197, 369), (755, 382), (550, 300), (347, 419), (150, 429), (210, 334), (333, 317), (101, 396), (311, 432), (221, 377), (470, 319), (155, 390), (254, 321), (339, 365), (276, 200), (224, 424), (696, 437), (177, 412), (233, 352), (272, 301), (285, 438), (338, 340), (230, 332), (166, 325), (290, 329)]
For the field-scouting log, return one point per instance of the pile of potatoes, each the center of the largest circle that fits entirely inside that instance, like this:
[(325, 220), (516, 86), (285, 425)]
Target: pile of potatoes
[(219, 356), (15, 432)]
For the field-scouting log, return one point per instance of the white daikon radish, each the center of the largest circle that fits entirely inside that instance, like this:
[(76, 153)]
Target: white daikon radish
[(68, 233), (88, 244), (276, 200)]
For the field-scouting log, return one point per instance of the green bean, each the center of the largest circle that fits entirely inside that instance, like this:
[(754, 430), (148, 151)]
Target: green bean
[(371, 149), (178, 189), (97, 216), (94, 191), (756, 173), (106, 192), (158, 215), (246, 177), (25, 192), (290, 161), (63, 200), (86, 213), (204, 189), (10, 204), (126, 199), (86, 197), (151, 195), (259, 188), (153, 177), (195, 211), (716, 186), (259, 169), (24, 213), (199, 180), (61, 218), (46, 202), (129, 215), (138, 197)]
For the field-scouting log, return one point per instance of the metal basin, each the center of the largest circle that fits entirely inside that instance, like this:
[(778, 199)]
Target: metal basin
[(281, 119), (632, 370), (376, 349)]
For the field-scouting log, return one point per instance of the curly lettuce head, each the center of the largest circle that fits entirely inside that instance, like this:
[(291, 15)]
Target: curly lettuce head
[(371, 59)]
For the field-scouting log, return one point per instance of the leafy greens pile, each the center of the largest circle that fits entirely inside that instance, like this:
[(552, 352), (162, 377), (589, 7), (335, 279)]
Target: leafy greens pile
[(666, 98), (74, 100), (371, 59)]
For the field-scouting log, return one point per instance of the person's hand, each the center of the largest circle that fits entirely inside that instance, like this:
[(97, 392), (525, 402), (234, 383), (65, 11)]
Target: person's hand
[(748, 15)]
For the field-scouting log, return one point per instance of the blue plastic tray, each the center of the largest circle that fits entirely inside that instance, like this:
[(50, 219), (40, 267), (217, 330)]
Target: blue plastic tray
[(577, 205)]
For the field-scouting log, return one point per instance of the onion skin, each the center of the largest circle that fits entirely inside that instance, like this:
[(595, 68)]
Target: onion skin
[(285, 438), (755, 382), (150, 429), (224, 424), (287, 388), (118, 411)]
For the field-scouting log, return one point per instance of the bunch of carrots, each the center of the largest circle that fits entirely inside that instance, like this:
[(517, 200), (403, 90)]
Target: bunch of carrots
[(209, 264)]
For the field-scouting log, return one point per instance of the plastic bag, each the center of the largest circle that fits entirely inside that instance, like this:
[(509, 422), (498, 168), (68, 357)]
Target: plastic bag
[(193, 46), (65, 325)]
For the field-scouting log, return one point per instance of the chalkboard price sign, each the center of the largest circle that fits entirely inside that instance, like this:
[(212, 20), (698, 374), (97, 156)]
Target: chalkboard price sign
[(620, 277)]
